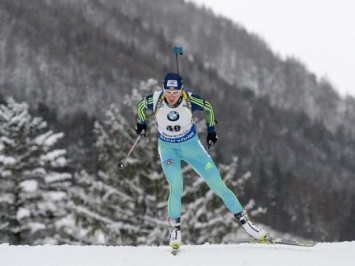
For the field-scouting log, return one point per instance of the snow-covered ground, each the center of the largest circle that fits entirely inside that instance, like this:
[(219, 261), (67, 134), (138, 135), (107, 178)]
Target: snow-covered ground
[(324, 254)]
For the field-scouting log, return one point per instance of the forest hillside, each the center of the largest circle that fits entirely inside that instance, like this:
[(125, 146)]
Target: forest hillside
[(69, 61)]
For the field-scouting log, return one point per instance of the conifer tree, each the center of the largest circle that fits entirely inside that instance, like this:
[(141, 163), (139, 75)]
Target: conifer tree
[(205, 218), (103, 206), (32, 186), (122, 206)]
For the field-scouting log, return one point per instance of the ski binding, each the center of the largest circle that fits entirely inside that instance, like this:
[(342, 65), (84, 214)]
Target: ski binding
[(175, 250)]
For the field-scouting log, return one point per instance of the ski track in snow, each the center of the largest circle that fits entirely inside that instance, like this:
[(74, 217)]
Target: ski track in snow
[(324, 254)]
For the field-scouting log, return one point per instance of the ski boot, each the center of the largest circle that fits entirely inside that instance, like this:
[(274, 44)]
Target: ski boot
[(175, 234), (250, 228)]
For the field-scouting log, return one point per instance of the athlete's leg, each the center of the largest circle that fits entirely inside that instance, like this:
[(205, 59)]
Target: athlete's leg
[(171, 165), (195, 154)]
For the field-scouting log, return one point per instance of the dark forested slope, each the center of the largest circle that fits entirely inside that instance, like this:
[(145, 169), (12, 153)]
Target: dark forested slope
[(71, 59)]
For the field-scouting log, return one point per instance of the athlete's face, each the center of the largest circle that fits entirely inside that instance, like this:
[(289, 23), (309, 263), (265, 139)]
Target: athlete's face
[(172, 96)]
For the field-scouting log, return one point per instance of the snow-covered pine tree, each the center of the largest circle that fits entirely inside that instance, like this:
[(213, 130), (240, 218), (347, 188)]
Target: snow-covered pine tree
[(103, 206), (153, 187), (33, 189), (205, 219), (123, 206), (91, 217), (204, 216)]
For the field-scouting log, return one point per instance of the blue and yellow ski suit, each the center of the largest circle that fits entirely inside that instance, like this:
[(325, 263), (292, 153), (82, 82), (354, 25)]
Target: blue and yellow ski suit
[(179, 141)]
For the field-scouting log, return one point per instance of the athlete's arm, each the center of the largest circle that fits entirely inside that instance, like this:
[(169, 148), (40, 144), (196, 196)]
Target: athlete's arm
[(197, 103)]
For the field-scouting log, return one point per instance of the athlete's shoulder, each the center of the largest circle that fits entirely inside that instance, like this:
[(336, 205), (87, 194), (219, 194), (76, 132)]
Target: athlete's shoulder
[(148, 97), (151, 97), (194, 96), (196, 101)]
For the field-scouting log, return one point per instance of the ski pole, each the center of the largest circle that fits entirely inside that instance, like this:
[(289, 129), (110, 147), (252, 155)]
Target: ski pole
[(178, 50), (123, 163)]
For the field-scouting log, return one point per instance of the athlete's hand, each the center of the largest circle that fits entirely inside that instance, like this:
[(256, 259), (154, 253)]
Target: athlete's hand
[(211, 139), (141, 129)]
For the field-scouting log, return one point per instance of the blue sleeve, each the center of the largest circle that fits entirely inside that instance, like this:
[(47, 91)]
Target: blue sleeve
[(199, 104), (143, 105)]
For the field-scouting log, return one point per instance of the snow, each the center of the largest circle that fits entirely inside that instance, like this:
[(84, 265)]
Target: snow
[(56, 177), (6, 198), (325, 254), (34, 227), (54, 196), (55, 157), (7, 160), (29, 185), (23, 213), (48, 138)]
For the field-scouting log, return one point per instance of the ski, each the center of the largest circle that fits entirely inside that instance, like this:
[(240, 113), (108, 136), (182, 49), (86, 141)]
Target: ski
[(279, 241), (175, 250)]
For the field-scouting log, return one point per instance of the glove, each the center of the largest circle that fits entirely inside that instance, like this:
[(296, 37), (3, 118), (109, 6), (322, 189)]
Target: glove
[(141, 129), (211, 138)]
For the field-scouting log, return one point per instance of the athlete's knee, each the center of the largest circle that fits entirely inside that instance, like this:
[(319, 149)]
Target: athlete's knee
[(222, 191), (175, 184), (176, 189)]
